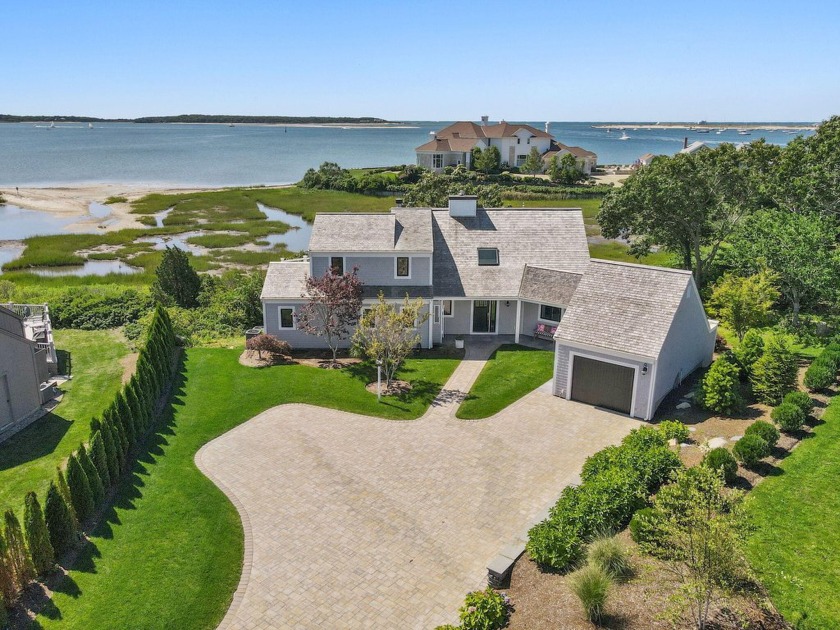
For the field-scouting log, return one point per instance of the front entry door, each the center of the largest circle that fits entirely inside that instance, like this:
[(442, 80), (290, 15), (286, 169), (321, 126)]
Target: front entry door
[(484, 316)]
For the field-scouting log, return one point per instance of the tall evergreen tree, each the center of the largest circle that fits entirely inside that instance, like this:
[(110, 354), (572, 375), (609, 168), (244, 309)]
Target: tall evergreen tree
[(4, 617), (37, 536), (64, 489), (97, 489), (123, 413), (99, 457), (8, 585), (80, 492), (60, 523), (112, 450), (16, 552), (177, 282)]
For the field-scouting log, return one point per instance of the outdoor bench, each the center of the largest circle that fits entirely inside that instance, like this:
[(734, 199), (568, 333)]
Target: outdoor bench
[(543, 331)]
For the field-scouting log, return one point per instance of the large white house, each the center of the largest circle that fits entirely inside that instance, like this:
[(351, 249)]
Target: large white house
[(624, 335), (453, 145)]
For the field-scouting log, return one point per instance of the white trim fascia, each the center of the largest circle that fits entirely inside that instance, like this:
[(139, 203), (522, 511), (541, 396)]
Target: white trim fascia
[(518, 320), (573, 354), (375, 254), (588, 347), (652, 371)]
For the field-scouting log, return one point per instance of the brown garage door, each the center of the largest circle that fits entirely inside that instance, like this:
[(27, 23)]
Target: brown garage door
[(602, 384)]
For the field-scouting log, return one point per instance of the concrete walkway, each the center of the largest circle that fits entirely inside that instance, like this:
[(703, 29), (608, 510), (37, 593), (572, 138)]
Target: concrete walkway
[(356, 522)]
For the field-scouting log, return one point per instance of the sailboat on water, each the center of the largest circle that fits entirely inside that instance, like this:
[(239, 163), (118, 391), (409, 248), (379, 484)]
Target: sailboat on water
[(624, 136), (90, 125)]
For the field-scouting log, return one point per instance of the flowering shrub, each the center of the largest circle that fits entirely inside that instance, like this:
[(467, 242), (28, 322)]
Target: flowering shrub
[(484, 610)]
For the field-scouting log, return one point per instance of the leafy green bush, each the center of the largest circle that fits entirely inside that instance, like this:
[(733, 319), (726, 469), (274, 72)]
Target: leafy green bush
[(774, 374), (720, 388), (721, 459), (484, 610), (607, 502), (765, 431), (789, 417), (750, 449), (819, 375), (801, 400), (554, 543), (750, 350), (608, 553), (95, 308), (674, 430), (643, 527), (592, 585)]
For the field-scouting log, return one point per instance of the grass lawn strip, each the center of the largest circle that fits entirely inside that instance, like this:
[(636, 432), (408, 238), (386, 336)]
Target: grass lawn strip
[(511, 372), (28, 459), (794, 549), (169, 554)]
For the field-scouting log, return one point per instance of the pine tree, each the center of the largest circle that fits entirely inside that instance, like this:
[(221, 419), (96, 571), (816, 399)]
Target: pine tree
[(60, 524), (8, 586), (176, 280), (99, 457), (80, 492), (123, 415), (37, 536), (97, 489), (112, 451), (64, 489), (17, 554)]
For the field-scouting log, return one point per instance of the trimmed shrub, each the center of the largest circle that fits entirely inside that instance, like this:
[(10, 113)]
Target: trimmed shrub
[(674, 430), (60, 525), (607, 502), (269, 344), (17, 555), (721, 459), (592, 585), (644, 528), (719, 390), (97, 490), (819, 375), (749, 350), (750, 449), (554, 544), (801, 400), (774, 374), (611, 555), (644, 438), (789, 417), (765, 431), (80, 492), (484, 610), (37, 536)]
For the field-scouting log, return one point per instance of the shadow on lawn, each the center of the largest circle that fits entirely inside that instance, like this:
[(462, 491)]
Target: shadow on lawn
[(37, 440), (422, 390)]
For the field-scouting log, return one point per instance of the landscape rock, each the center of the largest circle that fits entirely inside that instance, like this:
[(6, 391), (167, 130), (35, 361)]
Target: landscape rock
[(717, 442), (684, 405)]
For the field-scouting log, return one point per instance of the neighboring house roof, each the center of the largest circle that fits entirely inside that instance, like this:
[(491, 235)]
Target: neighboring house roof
[(285, 279), (462, 136), (403, 229), (694, 147), (550, 237), (442, 145), (557, 148), (624, 307), (647, 156), (548, 286)]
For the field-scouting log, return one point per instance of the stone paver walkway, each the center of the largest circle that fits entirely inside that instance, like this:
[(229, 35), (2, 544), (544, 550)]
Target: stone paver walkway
[(357, 522)]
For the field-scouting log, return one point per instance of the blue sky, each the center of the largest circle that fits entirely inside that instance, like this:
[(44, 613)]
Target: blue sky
[(557, 60)]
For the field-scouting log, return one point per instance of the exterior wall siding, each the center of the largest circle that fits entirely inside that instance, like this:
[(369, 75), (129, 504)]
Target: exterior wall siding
[(379, 270), (18, 366), (506, 317), (562, 361), (689, 344)]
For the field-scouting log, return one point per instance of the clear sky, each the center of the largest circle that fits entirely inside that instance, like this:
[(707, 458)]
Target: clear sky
[(427, 60)]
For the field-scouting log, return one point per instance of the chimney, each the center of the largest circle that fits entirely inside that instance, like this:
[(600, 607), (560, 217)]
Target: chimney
[(463, 205), (485, 120), (547, 124), (685, 142)]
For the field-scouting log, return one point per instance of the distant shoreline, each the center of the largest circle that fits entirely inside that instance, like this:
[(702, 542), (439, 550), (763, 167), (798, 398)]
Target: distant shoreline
[(709, 126)]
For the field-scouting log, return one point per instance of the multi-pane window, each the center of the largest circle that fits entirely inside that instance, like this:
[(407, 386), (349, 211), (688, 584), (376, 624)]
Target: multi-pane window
[(403, 267), (437, 160), (550, 313)]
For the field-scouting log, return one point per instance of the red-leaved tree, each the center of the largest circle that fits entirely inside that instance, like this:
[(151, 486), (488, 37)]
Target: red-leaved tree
[(333, 307)]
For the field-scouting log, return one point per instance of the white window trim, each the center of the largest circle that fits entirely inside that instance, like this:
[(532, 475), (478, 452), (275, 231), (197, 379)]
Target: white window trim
[(280, 310), (398, 277), (343, 263), (472, 318), (436, 313), (549, 321), (451, 308), (435, 158)]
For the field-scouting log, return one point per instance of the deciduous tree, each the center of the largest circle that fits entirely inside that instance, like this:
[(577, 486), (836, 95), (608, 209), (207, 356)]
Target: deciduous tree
[(743, 302), (387, 334), (488, 160), (332, 308)]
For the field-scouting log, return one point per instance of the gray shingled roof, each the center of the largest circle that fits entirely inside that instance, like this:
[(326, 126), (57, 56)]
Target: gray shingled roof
[(403, 229), (549, 237), (285, 279), (548, 286), (624, 307)]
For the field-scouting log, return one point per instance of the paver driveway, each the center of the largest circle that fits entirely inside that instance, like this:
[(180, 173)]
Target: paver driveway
[(357, 522)]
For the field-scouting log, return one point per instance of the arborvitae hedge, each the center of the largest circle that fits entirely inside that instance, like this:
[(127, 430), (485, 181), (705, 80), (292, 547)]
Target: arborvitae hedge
[(37, 536), (80, 492), (60, 523), (17, 554), (97, 489), (99, 457), (8, 587), (64, 489), (112, 451)]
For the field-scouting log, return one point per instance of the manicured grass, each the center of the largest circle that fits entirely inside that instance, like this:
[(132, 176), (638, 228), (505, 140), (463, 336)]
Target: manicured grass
[(590, 207), (170, 553), (511, 372), (617, 251), (794, 548), (28, 459)]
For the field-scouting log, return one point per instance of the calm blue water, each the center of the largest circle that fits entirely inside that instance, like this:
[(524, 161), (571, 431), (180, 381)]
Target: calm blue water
[(217, 155)]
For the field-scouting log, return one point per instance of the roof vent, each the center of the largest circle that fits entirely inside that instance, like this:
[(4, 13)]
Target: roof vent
[(463, 205)]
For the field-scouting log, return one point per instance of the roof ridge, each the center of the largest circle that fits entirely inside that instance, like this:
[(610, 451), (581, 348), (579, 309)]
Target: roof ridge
[(640, 266), (576, 273)]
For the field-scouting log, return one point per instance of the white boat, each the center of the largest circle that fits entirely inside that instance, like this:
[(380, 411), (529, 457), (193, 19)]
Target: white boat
[(90, 125), (231, 125), (744, 132), (624, 136), (52, 125)]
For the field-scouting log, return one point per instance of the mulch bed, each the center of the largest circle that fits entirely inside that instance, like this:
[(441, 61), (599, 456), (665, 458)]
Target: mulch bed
[(251, 358), (396, 388)]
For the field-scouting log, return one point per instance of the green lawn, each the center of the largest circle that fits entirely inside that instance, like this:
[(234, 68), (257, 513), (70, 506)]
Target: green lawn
[(28, 460), (169, 555), (794, 549), (511, 372)]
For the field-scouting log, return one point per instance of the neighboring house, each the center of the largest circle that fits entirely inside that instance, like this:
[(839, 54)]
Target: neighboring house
[(27, 357), (453, 145), (509, 272), (694, 147), (586, 160), (646, 159)]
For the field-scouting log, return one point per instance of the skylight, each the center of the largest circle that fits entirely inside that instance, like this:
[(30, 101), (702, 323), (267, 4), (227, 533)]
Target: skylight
[(488, 256)]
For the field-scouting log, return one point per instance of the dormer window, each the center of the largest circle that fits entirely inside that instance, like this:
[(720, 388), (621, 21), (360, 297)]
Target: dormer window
[(488, 256)]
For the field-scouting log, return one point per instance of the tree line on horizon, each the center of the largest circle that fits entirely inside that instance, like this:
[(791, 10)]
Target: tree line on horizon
[(202, 118)]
